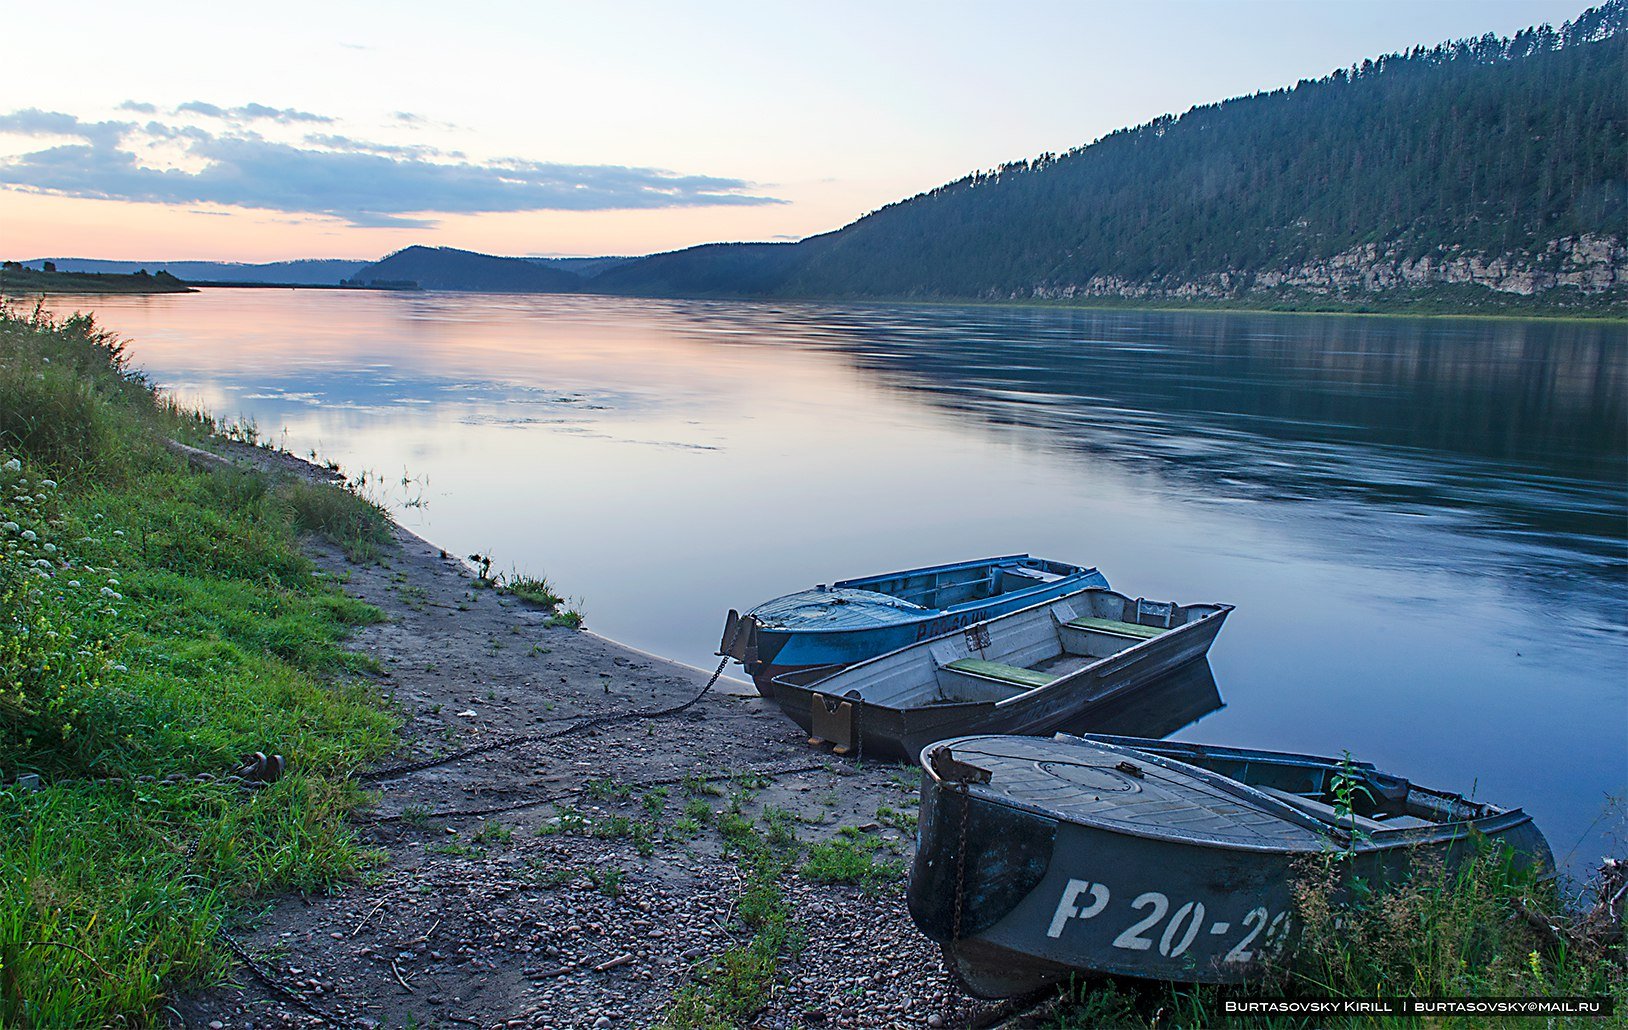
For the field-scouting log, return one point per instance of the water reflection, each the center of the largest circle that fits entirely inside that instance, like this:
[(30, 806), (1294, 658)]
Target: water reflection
[(1175, 703), (1422, 522), (1517, 430)]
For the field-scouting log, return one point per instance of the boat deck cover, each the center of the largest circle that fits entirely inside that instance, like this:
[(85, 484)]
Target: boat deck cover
[(1088, 784), (838, 608), (1114, 626), (1004, 673)]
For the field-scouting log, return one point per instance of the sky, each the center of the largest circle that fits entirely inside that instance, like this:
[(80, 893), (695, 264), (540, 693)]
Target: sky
[(243, 132)]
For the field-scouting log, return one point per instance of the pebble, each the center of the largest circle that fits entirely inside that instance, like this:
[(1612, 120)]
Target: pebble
[(523, 945)]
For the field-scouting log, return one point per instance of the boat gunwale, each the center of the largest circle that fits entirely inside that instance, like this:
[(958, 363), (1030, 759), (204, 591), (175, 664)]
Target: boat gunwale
[(1174, 633), (1496, 820), (952, 566), (929, 614)]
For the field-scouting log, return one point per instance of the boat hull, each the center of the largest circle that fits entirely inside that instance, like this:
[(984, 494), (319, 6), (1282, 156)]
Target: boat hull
[(768, 646), (1033, 899), (900, 734)]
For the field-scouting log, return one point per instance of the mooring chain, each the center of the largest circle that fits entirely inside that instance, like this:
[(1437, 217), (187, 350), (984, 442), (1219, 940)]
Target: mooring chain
[(278, 986), (473, 813), (592, 722), (961, 859)]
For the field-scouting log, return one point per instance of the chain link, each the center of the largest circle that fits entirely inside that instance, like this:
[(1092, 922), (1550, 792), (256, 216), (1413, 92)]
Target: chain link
[(576, 727), (961, 859)]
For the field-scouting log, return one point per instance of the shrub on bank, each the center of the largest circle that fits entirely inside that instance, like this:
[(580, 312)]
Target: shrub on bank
[(360, 526), (155, 618), (1473, 931)]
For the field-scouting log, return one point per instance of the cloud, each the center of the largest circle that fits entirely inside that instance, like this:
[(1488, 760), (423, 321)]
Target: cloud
[(332, 141), (34, 122), (139, 107), (249, 113), (369, 185)]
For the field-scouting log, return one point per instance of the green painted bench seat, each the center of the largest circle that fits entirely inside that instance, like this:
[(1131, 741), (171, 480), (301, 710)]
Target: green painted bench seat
[(1004, 673), (1121, 629)]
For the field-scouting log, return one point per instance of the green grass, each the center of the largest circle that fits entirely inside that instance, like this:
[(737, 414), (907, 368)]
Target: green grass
[(607, 880), (571, 822), (154, 618), (359, 525), (730, 988), (851, 858), (533, 589)]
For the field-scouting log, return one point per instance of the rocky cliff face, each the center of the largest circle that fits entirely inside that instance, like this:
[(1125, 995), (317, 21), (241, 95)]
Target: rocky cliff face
[(1587, 266)]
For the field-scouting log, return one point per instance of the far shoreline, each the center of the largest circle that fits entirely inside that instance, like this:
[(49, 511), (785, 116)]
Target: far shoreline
[(1606, 317)]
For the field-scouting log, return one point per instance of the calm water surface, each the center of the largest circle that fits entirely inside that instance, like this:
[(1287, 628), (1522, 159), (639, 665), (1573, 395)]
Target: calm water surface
[(1424, 524)]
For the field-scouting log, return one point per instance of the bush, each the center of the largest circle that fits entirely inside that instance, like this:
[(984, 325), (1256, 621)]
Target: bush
[(154, 619), (68, 401), (1467, 931), (358, 525)]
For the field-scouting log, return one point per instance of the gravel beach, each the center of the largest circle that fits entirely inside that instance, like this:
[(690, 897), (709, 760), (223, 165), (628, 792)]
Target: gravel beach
[(602, 885)]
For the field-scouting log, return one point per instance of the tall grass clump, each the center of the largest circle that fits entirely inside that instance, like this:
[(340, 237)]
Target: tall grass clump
[(1446, 931), (535, 590), (359, 525), (68, 399), (156, 618), (1486, 927)]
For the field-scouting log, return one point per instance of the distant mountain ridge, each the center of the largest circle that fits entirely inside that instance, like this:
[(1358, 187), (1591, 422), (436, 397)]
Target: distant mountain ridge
[(447, 268), (1481, 174), (1478, 172)]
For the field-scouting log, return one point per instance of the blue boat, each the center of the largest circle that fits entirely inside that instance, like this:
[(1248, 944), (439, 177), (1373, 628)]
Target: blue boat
[(830, 627)]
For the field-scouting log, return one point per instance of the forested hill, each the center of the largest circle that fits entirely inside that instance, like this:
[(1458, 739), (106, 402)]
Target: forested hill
[(1494, 146), (446, 268), (1482, 174), (1493, 163)]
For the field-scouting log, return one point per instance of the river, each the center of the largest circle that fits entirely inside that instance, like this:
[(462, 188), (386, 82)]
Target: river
[(1423, 522)]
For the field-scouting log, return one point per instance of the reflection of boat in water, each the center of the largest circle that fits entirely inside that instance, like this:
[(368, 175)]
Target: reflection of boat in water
[(856, 619), (1157, 710), (1028, 672), (1038, 857)]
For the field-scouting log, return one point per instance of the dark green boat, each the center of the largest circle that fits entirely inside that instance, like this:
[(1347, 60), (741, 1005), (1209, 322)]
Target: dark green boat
[(1041, 857)]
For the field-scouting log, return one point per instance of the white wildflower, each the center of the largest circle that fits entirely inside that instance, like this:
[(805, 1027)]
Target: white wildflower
[(73, 582), (10, 527), (118, 532), (14, 465), (49, 484), (41, 563), (49, 548), (109, 592), (30, 535)]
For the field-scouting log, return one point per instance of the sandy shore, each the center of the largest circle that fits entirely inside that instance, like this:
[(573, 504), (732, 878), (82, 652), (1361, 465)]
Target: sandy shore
[(481, 921)]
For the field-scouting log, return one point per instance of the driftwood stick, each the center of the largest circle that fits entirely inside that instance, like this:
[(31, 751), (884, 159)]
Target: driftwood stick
[(199, 458), (1604, 923)]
